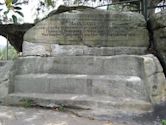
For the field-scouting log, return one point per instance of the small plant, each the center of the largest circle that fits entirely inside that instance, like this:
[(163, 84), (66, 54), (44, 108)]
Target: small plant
[(26, 103), (163, 122), (61, 108)]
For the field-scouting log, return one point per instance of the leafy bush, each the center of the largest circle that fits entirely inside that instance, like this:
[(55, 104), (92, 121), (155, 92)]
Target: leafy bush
[(12, 54), (163, 122), (11, 11)]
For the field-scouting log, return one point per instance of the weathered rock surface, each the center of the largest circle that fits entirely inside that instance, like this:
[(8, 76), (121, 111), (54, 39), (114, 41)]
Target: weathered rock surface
[(89, 27), (5, 69), (39, 49), (33, 116), (158, 20), (36, 116), (125, 85), (96, 62), (158, 27), (160, 39), (155, 79)]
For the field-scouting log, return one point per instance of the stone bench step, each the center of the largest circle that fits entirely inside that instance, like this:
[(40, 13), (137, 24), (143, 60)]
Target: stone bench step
[(74, 101), (108, 85), (93, 65), (79, 50)]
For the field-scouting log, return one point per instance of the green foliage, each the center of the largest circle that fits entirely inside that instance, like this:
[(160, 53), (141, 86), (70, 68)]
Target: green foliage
[(61, 108), (11, 12), (18, 12), (124, 7), (12, 54), (115, 8), (14, 18), (26, 103), (10, 4), (49, 2), (163, 122)]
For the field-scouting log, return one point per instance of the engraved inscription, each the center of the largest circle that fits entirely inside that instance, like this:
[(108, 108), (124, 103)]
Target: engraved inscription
[(85, 26), (97, 28)]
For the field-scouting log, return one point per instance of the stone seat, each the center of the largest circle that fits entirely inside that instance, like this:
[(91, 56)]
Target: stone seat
[(127, 65), (84, 102), (122, 84), (92, 85)]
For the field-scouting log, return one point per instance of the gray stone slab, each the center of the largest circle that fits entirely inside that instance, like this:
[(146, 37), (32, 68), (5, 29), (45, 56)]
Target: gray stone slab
[(93, 85), (151, 65), (140, 67), (89, 27), (91, 65), (41, 49), (105, 81), (5, 71)]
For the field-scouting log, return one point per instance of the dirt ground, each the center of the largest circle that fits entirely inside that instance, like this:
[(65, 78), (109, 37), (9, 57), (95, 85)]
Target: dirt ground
[(38, 116)]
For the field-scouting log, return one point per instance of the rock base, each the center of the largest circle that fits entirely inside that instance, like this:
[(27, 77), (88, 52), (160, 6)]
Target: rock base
[(124, 84), (43, 49)]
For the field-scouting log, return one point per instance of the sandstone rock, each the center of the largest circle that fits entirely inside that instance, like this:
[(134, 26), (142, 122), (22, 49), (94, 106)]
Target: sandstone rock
[(155, 81), (94, 28), (125, 84), (5, 70), (4, 89), (157, 88), (160, 39), (158, 27), (127, 76), (41, 49), (152, 65), (37, 49), (158, 20)]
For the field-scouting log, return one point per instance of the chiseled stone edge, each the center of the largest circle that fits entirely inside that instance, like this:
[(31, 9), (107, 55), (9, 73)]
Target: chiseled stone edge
[(38, 49), (43, 49)]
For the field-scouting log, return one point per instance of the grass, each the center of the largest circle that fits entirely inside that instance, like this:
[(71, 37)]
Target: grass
[(26, 103)]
